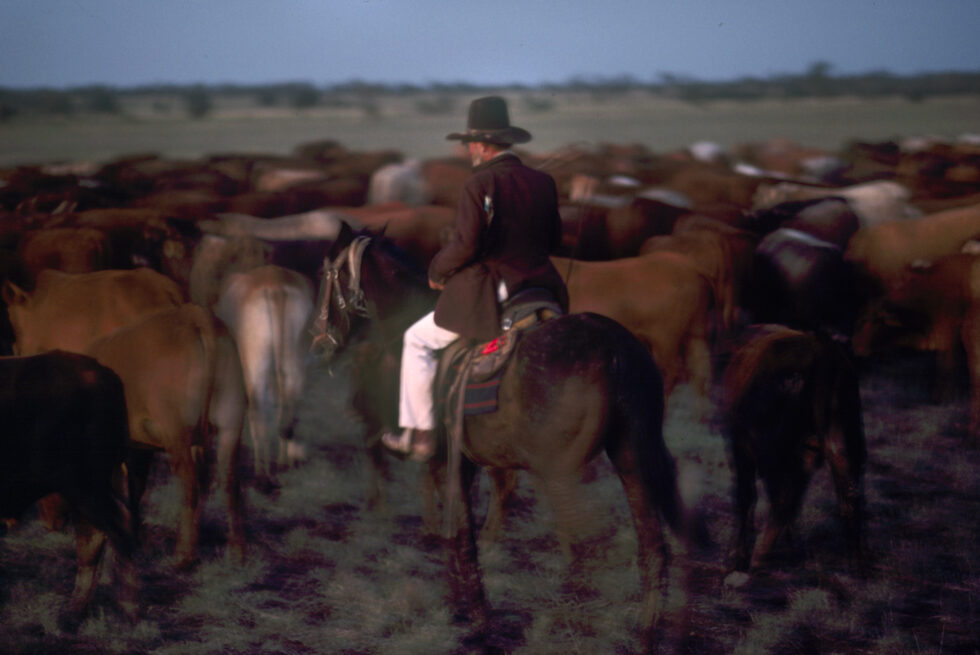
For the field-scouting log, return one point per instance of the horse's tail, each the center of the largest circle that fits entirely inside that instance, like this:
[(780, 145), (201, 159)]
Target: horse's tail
[(639, 408)]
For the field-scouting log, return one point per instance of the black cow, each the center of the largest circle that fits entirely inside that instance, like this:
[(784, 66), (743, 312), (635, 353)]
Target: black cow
[(65, 432), (803, 282), (829, 219), (792, 401)]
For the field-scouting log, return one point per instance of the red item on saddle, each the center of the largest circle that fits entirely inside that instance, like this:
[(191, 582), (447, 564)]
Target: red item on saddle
[(494, 345)]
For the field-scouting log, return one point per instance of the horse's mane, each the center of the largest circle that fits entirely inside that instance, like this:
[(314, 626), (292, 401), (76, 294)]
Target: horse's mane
[(403, 285), (404, 264)]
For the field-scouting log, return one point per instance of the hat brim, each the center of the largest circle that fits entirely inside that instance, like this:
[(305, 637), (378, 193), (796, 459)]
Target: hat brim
[(507, 135)]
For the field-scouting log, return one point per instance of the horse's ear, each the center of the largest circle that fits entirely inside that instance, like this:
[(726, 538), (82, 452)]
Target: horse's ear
[(344, 237), (13, 294)]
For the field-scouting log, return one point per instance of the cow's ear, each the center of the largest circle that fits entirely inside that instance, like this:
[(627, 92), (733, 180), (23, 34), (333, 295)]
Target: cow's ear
[(13, 294)]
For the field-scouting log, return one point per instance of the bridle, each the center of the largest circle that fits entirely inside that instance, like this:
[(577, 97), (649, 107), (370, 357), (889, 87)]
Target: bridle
[(330, 335)]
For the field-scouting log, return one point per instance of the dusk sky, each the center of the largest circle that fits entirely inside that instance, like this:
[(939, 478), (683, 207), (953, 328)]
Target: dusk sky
[(64, 43)]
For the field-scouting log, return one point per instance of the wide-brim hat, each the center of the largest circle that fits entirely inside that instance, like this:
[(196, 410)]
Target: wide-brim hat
[(489, 122)]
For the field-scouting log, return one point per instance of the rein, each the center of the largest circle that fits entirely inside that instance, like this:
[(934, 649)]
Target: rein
[(328, 337)]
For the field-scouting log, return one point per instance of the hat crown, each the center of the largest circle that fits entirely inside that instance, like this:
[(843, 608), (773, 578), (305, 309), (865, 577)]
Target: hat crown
[(489, 113), (489, 121)]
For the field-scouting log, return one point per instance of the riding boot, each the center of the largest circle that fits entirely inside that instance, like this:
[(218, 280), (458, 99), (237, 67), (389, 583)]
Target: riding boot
[(419, 445), (398, 442)]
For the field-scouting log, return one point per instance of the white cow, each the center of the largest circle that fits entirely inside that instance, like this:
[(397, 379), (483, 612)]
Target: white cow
[(398, 182), (268, 310), (873, 202), (315, 224)]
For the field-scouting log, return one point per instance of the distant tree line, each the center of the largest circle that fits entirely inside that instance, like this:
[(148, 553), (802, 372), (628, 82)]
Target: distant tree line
[(197, 101)]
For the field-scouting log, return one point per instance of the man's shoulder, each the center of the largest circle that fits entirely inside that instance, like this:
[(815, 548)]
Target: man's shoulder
[(505, 166)]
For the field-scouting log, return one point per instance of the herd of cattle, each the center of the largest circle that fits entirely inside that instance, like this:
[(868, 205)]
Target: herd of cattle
[(164, 305)]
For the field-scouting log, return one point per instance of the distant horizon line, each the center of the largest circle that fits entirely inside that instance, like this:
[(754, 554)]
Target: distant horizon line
[(582, 79)]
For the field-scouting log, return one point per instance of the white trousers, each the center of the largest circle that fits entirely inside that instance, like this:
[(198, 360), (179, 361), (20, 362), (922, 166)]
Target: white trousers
[(420, 363)]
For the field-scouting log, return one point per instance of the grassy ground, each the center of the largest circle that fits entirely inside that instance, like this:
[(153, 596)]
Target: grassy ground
[(660, 124), (326, 575)]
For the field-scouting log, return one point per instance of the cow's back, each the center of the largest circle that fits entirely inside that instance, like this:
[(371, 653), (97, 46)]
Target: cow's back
[(67, 249), (166, 360), (70, 311)]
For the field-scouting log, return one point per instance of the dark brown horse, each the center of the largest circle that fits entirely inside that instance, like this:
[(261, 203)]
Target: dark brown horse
[(792, 402), (577, 386)]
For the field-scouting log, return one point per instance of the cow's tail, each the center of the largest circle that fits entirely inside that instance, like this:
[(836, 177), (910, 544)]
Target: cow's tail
[(275, 300), (207, 332), (720, 303)]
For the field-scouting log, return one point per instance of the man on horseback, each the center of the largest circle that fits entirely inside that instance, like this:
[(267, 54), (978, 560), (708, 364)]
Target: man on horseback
[(507, 225)]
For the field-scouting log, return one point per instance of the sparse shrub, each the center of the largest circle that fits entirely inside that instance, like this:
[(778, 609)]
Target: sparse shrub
[(197, 101), (436, 105), (55, 102), (101, 99), (266, 97), (304, 96), (538, 103)]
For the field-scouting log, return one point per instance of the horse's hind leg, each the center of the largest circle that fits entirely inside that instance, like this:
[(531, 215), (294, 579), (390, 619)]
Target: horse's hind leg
[(572, 519), (652, 552)]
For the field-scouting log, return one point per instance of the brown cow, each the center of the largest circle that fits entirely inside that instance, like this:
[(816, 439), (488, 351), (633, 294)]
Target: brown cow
[(142, 237), (780, 155), (69, 311), (420, 231), (711, 189), (612, 227), (71, 250), (886, 250), (443, 179), (663, 298), (927, 310), (182, 378), (722, 252)]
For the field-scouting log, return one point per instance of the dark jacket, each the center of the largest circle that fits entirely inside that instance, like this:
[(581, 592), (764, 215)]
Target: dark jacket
[(507, 225)]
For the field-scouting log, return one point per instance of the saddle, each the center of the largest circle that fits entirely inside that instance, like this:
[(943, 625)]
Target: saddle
[(470, 371)]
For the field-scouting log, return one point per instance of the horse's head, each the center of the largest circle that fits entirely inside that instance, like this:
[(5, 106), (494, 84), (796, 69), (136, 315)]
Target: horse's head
[(366, 276), (341, 296)]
